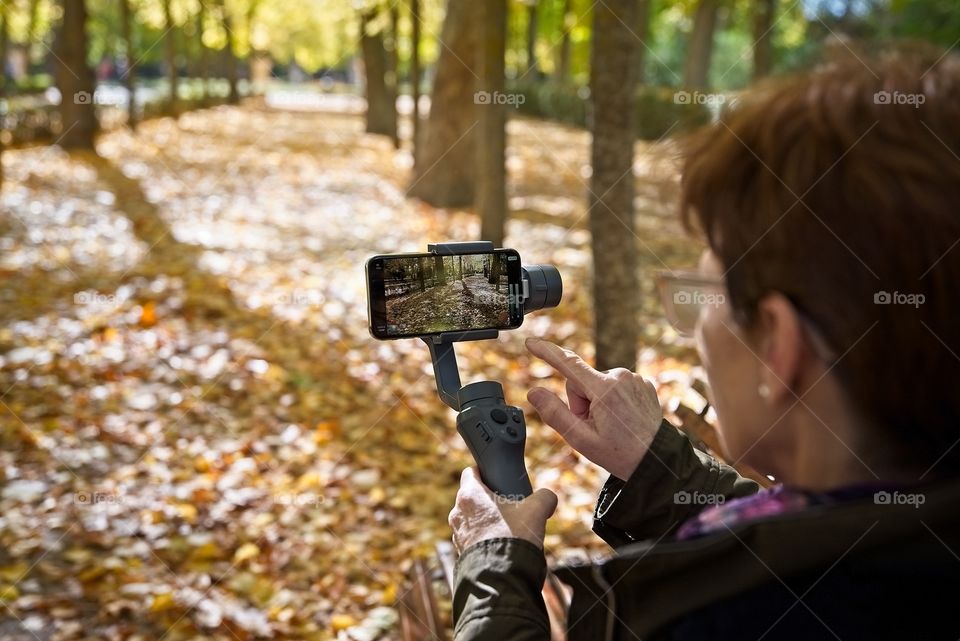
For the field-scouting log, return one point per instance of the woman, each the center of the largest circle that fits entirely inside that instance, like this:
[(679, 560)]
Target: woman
[(826, 316)]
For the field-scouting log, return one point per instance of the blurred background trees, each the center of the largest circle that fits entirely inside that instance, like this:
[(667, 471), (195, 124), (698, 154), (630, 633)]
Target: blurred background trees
[(440, 78), (335, 45)]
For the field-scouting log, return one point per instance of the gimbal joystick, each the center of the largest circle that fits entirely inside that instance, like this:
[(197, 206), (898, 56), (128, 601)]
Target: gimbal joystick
[(495, 432)]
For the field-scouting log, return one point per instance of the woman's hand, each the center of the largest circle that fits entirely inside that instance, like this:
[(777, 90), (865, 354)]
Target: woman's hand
[(612, 417), (479, 514)]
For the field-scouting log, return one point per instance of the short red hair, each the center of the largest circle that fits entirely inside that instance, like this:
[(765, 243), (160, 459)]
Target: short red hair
[(841, 189)]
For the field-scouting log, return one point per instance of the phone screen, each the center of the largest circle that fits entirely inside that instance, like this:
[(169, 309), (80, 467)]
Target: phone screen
[(421, 294)]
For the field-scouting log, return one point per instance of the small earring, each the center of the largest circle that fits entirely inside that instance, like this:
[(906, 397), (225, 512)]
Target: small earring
[(763, 390)]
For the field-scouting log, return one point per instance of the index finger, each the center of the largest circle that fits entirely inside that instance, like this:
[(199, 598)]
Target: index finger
[(569, 364)]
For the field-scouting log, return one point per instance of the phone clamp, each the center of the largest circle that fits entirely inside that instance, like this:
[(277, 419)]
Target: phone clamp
[(495, 433)]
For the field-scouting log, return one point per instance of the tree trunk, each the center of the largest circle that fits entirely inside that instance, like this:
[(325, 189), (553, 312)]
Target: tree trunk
[(32, 26), (696, 68), (4, 46), (423, 286), (170, 46), (445, 163), (492, 117), (204, 63), (33, 14), (763, 37), (563, 62), (259, 62), (75, 78), (233, 97), (381, 114), (615, 283), (643, 33), (130, 74), (532, 68), (415, 73), (438, 270), (494, 276), (392, 77)]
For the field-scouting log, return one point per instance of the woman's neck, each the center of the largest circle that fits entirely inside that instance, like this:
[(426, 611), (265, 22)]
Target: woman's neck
[(838, 454)]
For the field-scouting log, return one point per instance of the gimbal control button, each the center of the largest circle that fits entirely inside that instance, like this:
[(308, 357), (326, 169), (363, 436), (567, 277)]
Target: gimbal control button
[(498, 415), (516, 418), (482, 431), (511, 431)]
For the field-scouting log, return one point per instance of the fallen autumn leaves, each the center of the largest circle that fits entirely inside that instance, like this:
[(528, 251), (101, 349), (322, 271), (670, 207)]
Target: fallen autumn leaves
[(200, 440)]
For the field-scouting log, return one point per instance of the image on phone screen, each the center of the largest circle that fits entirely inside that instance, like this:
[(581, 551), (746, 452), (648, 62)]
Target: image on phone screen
[(416, 295)]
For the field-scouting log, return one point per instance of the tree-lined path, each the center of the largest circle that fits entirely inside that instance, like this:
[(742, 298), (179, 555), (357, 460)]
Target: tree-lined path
[(199, 433)]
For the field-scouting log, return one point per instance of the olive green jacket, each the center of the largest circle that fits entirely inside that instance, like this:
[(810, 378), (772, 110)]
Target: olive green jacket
[(655, 587)]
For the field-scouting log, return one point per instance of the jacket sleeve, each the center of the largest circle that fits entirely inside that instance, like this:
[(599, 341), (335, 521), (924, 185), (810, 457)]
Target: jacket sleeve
[(660, 494), (497, 592)]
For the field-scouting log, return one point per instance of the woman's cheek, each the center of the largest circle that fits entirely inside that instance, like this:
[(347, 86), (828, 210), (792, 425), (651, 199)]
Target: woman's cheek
[(717, 355)]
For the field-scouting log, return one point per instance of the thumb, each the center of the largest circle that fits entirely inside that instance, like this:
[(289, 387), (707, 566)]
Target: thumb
[(545, 502), (557, 415)]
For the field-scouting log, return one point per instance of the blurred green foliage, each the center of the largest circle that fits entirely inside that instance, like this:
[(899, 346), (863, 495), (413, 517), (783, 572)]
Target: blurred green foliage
[(323, 34), (659, 113)]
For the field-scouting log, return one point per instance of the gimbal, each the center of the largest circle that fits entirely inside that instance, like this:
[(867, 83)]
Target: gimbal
[(495, 432)]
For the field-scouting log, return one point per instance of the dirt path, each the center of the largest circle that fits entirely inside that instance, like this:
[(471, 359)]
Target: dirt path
[(458, 304)]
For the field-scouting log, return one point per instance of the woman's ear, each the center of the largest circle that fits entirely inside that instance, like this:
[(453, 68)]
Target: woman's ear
[(780, 349)]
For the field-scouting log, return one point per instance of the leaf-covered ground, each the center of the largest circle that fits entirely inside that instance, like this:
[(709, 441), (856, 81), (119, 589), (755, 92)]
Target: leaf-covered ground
[(454, 306), (199, 437)]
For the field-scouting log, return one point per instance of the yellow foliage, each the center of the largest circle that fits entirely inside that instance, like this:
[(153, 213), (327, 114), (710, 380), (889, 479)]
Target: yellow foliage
[(187, 512), (342, 622), (162, 602), (246, 552), (9, 593)]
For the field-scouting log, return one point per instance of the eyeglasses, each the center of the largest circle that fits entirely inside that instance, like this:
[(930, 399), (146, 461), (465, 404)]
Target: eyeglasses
[(685, 295)]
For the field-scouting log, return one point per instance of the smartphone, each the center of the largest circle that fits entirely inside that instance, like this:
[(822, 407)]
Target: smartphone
[(411, 295)]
